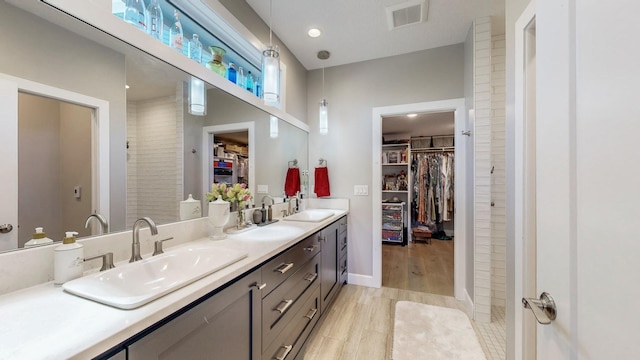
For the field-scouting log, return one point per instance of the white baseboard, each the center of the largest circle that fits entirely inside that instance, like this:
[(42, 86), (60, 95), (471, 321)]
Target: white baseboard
[(468, 304), (362, 280)]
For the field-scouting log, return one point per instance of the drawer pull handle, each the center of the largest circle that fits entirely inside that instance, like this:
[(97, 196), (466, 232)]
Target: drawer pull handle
[(322, 238), (284, 305), (284, 268), (311, 277), (258, 286), (311, 314), (284, 351), (311, 248)]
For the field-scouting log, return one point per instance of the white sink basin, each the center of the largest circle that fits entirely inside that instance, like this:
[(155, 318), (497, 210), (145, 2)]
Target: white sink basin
[(135, 284), (273, 232), (310, 215)]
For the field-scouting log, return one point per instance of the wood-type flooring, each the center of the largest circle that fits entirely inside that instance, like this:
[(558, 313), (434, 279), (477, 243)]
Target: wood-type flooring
[(419, 267)]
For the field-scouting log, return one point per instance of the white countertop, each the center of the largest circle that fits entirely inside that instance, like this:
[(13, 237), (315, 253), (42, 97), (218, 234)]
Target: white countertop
[(44, 322)]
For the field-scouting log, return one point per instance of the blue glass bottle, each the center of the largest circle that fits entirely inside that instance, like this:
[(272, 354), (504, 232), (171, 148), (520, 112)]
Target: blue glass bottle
[(248, 82), (232, 73)]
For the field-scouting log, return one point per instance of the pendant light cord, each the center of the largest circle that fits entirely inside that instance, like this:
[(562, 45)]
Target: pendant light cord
[(323, 81), (270, 34)]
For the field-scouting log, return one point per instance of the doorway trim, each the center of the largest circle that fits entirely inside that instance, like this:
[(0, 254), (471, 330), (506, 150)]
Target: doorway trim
[(460, 197), (522, 265), (207, 143), (100, 135)]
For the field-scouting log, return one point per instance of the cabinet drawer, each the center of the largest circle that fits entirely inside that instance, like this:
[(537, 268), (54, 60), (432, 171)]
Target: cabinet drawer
[(342, 245), (342, 228), (279, 308), (291, 340), (343, 269), (284, 265)]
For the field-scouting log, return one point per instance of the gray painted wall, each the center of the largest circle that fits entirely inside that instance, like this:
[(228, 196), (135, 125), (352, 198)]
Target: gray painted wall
[(352, 91), (469, 161), (296, 93), (37, 50)]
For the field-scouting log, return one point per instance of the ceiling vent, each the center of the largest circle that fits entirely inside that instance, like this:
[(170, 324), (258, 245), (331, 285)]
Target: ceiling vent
[(407, 13)]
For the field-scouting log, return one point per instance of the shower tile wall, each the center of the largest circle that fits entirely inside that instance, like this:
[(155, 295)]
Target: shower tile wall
[(498, 179)]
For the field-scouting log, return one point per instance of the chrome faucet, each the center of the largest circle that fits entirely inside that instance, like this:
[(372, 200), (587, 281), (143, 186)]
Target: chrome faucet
[(289, 210), (101, 219), (135, 246), (269, 197)]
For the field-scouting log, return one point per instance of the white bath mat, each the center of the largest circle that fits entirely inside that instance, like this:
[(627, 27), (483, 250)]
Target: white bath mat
[(432, 332)]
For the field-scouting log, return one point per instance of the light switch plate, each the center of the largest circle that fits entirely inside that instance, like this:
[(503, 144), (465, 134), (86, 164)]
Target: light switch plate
[(263, 189), (361, 190)]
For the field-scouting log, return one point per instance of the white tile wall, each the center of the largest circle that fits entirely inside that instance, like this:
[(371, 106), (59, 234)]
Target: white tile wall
[(154, 167), (498, 189), (482, 136)]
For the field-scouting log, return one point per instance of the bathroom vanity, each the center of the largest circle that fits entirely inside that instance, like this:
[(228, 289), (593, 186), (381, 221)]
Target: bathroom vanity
[(264, 306)]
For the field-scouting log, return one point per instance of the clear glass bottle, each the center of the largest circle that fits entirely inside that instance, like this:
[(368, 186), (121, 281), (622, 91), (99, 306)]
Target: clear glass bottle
[(175, 34), (249, 82), (135, 13), (155, 24), (216, 64), (232, 72), (241, 77), (195, 48)]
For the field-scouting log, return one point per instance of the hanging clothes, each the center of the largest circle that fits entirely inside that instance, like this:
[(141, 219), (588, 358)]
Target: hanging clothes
[(432, 187)]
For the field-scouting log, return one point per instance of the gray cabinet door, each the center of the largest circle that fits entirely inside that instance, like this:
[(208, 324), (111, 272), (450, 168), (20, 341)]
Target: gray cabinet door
[(329, 274), (225, 326)]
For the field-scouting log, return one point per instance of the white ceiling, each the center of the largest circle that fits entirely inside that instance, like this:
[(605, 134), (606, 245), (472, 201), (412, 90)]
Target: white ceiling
[(357, 30)]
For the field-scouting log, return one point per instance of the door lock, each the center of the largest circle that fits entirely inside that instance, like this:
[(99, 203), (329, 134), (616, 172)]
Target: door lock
[(544, 309)]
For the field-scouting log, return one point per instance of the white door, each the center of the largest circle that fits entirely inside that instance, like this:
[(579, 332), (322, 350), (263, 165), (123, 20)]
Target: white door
[(9, 161), (588, 177)]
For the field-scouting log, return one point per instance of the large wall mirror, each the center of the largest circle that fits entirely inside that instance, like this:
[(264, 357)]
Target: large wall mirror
[(154, 149)]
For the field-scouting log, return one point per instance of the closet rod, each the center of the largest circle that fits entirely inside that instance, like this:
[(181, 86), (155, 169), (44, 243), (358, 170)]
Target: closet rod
[(440, 149)]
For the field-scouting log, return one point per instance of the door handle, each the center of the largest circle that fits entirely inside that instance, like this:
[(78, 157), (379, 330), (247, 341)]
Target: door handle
[(5, 228), (544, 309)]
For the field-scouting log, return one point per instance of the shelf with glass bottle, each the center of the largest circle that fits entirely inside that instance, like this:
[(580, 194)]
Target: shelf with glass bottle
[(164, 21)]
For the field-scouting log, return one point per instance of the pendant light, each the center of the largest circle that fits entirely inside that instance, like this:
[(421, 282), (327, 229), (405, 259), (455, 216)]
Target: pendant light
[(197, 97), (271, 70), (273, 126), (323, 111)]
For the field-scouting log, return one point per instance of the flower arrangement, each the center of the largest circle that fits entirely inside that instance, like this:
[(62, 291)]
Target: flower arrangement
[(231, 193)]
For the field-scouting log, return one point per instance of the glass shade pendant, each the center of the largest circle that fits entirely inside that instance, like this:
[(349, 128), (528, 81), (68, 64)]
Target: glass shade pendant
[(197, 97), (271, 76), (273, 126), (323, 117)]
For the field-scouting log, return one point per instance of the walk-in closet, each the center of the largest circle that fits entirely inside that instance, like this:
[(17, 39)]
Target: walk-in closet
[(417, 202)]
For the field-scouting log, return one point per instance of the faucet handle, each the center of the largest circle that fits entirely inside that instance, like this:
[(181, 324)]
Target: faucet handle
[(157, 246), (107, 261)]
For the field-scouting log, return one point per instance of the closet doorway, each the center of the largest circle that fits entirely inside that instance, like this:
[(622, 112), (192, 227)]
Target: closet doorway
[(418, 177)]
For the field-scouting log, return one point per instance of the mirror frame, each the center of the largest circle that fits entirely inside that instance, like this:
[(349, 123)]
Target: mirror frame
[(100, 136)]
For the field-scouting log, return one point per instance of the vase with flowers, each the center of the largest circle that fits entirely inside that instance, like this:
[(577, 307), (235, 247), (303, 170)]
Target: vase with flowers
[(236, 193)]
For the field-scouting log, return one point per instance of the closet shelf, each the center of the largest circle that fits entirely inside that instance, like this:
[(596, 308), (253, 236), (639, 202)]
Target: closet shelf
[(396, 164), (395, 191)]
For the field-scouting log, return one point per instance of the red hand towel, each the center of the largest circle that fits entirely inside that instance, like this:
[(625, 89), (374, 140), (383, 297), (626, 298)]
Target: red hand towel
[(321, 186), (292, 182)]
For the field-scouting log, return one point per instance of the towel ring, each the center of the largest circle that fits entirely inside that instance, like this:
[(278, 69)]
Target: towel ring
[(322, 163), (293, 163)]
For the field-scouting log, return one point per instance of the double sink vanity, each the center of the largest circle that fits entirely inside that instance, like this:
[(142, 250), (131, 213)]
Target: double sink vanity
[(255, 295)]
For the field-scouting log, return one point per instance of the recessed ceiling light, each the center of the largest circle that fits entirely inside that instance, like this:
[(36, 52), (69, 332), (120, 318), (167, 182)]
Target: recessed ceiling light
[(412, 115), (314, 32)]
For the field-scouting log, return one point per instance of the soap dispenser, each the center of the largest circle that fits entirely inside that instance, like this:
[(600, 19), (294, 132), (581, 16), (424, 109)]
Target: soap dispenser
[(67, 259), (39, 238)]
